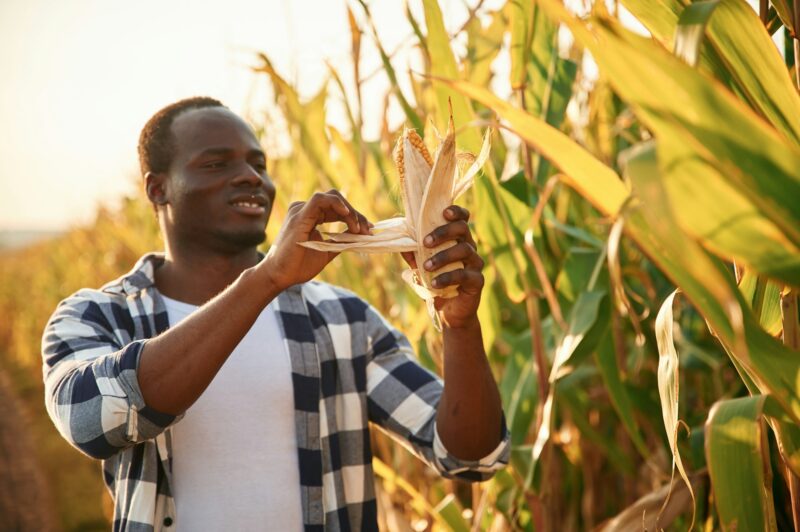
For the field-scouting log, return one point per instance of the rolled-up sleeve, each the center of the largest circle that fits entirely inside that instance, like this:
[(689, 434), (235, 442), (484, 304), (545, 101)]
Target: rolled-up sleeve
[(402, 397), (92, 391)]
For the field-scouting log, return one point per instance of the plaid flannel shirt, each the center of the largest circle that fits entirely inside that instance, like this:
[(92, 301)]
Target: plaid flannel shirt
[(349, 367)]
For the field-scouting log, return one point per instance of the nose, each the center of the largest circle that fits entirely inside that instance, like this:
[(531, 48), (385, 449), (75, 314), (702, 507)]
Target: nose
[(247, 175)]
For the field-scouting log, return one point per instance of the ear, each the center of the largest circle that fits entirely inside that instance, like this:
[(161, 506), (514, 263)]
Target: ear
[(155, 187)]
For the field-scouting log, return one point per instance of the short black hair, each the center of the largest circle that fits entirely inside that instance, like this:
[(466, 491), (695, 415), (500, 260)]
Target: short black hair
[(156, 143)]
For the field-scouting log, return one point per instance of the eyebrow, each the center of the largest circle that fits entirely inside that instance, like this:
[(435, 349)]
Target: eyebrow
[(228, 151)]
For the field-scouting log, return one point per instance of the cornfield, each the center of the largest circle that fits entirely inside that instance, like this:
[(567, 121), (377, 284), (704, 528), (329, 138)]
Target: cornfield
[(639, 214)]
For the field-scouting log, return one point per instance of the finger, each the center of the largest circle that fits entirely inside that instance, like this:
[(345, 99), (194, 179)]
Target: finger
[(469, 281), (470, 239), (408, 256), (462, 252), (456, 212), (316, 236), (324, 208), (457, 231), (363, 224), (295, 206)]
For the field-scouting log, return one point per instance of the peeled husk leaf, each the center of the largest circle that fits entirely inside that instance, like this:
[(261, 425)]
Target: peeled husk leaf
[(428, 187)]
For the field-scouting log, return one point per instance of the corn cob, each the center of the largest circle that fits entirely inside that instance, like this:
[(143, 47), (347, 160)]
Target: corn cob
[(428, 186)]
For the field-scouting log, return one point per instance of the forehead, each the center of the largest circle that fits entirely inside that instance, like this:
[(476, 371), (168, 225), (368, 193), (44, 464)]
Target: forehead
[(199, 129)]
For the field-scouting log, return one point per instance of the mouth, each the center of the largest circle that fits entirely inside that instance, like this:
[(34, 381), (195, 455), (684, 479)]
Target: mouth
[(250, 205)]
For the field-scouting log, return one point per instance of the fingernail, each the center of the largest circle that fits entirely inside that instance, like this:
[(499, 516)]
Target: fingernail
[(451, 212), (428, 240), (435, 282), (428, 264)]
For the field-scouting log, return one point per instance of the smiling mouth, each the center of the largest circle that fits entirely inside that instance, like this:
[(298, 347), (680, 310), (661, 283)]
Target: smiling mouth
[(249, 207)]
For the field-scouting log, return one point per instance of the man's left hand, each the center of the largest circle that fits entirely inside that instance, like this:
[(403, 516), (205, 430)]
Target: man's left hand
[(460, 311)]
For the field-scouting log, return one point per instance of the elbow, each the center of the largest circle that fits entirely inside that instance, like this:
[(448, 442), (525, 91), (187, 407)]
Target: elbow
[(99, 448), (78, 434), (83, 420)]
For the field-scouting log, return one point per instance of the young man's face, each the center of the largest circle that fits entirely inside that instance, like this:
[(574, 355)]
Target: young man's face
[(217, 189)]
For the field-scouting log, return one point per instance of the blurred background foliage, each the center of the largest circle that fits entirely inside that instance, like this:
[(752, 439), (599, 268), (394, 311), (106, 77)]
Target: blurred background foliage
[(623, 167)]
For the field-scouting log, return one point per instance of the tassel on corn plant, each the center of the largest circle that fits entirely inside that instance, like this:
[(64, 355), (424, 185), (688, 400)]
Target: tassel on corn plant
[(428, 186)]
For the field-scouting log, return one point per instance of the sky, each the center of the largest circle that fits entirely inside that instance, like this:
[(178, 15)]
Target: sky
[(80, 79)]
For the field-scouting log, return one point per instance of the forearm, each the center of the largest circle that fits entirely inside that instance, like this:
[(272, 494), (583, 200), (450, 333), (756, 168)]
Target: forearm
[(470, 412), (178, 365)]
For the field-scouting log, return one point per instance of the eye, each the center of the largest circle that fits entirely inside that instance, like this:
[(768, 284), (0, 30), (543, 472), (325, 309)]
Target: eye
[(214, 164)]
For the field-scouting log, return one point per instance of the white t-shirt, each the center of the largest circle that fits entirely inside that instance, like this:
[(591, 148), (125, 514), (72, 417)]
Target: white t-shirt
[(235, 453)]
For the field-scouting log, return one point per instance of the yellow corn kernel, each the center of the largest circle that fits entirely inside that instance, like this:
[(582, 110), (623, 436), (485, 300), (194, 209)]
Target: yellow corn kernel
[(398, 160), (419, 145)]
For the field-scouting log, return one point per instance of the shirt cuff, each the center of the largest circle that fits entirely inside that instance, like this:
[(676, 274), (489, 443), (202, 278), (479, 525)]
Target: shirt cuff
[(494, 461)]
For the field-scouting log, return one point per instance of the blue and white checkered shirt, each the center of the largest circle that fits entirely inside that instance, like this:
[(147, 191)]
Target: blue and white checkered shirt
[(349, 367)]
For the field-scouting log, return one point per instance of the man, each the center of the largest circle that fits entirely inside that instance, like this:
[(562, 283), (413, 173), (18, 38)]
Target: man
[(224, 390)]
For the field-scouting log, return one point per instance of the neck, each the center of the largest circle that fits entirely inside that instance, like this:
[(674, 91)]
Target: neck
[(195, 275)]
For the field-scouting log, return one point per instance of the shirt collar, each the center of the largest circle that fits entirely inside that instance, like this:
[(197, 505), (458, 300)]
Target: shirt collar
[(142, 275)]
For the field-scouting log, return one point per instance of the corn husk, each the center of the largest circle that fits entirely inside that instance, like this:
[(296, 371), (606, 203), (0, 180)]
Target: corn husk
[(428, 187)]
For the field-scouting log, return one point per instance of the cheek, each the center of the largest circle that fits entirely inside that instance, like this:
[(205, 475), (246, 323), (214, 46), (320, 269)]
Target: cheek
[(197, 203), (270, 188)]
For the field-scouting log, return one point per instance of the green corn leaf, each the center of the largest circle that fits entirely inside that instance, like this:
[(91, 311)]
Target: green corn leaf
[(741, 54), (443, 65), (489, 311), (572, 395), (660, 17), (738, 463), (705, 281), (747, 50), (682, 107), (499, 225), (483, 46), (521, 15), (581, 320), (594, 180), (764, 297), (542, 58), (519, 387), (606, 360), (553, 104), (691, 29), (763, 362), (450, 512), (582, 317)]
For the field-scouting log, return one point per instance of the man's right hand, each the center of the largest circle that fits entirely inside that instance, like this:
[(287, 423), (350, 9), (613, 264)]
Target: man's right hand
[(288, 263)]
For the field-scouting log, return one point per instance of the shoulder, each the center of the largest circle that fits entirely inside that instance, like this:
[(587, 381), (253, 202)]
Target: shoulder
[(86, 299), (106, 306), (118, 290), (88, 311)]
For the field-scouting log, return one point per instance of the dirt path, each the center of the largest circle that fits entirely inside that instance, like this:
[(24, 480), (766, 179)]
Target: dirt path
[(25, 502)]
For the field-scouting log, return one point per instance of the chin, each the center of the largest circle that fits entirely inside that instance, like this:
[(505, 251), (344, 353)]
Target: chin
[(248, 239), (241, 240)]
